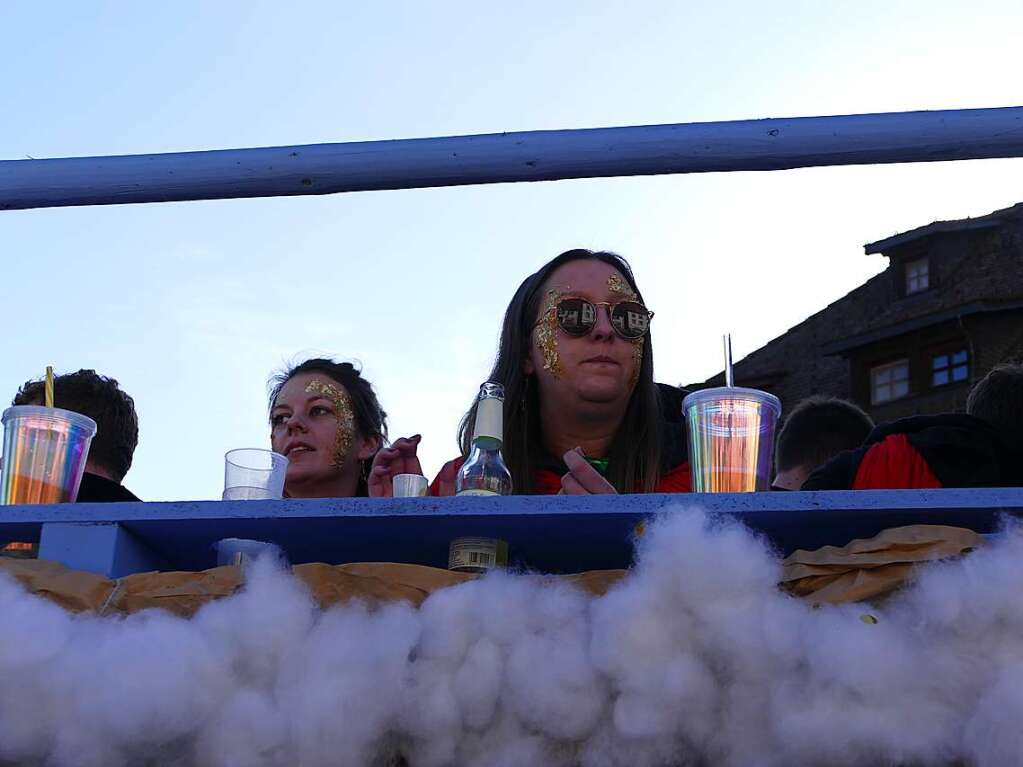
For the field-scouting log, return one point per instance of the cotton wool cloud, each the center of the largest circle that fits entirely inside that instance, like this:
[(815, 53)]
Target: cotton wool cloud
[(695, 658)]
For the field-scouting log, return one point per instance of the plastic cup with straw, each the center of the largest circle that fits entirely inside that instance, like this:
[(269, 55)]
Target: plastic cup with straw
[(45, 450), (731, 435)]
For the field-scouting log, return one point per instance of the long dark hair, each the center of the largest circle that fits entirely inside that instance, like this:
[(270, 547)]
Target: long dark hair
[(370, 418), (635, 454)]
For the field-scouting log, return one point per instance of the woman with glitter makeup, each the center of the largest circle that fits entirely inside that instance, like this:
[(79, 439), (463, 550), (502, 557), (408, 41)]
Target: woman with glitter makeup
[(325, 417), (582, 413)]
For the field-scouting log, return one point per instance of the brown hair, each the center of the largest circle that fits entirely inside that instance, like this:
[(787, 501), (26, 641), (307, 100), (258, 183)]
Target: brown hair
[(635, 454), (100, 398), (818, 429)]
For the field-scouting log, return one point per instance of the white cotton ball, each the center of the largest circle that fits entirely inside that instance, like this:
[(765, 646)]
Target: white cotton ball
[(134, 686), (34, 634), (34, 630), (552, 686), (994, 733), (248, 731), (450, 623), (477, 683), (343, 686), (258, 625)]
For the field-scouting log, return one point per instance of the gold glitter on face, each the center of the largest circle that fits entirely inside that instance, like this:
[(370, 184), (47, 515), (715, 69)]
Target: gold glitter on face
[(342, 400), (546, 333), (637, 360), (616, 284)]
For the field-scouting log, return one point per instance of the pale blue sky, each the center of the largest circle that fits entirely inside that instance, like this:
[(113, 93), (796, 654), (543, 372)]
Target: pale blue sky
[(192, 305)]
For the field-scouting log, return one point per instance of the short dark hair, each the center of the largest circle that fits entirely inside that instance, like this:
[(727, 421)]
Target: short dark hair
[(370, 418), (100, 398), (818, 429), (998, 399)]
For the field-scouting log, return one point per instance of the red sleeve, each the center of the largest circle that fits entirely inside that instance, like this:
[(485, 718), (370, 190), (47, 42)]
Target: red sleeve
[(450, 468), (546, 482), (894, 464), (678, 480)]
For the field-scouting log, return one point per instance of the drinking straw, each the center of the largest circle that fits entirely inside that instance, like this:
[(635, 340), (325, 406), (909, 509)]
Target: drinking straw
[(729, 378), (49, 386)]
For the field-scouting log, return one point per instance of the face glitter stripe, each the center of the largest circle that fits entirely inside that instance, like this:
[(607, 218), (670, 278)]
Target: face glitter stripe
[(546, 332), (616, 284), (342, 400)]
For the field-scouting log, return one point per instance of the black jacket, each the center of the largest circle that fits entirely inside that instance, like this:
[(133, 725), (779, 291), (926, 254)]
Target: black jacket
[(960, 451), (97, 489)]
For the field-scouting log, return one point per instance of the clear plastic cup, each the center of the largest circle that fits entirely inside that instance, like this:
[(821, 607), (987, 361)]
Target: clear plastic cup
[(409, 485), (253, 474), (731, 439), (45, 449)]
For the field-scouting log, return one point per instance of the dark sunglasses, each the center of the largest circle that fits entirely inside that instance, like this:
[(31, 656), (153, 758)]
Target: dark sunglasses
[(577, 317)]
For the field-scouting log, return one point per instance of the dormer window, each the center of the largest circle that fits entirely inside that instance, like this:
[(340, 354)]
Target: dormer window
[(918, 275)]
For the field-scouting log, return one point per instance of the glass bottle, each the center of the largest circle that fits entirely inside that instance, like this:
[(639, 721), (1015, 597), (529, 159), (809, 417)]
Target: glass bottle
[(484, 471)]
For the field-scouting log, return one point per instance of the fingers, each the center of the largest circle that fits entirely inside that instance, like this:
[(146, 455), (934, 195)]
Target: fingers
[(446, 477), (379, 484), (404, 449), (584, 475), (571, 486), (407, 445)]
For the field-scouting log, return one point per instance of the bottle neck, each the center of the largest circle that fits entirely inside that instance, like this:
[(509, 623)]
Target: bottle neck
[(486, 445), (489, 421)]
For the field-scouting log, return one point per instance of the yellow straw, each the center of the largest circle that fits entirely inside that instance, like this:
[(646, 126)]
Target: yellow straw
[(49, 386)]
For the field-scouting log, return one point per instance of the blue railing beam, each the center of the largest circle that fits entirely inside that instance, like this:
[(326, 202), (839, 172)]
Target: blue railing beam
[(546, 533), (769, 144)]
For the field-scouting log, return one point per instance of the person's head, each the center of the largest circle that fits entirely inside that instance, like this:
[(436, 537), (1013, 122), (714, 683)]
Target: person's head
[(100, 398), (998, 399), (576, 340), (325, 417), (817, 429)]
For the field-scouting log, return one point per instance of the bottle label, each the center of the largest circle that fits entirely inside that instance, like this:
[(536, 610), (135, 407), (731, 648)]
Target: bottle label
[(476, 555), (489, 419), (476, 492)]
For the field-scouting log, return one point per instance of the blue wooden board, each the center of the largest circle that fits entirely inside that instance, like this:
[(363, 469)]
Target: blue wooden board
[(547, 533)]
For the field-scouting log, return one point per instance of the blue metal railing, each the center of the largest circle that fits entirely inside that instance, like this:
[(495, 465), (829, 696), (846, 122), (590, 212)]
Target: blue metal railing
[(547, 533), (772, 144)]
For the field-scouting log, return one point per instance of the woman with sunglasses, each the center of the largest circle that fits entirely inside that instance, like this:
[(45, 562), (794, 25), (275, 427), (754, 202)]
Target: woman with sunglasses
[(582, 413)]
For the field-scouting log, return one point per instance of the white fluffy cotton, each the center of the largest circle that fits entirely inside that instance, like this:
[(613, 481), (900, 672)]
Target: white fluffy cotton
[(695, 658)]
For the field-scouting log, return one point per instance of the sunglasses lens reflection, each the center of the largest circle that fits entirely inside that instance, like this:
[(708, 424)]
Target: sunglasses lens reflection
[(576, 316), (630, 319)]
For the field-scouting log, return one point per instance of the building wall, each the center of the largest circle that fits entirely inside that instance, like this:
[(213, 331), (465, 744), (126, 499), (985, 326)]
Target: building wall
[(973, 270)]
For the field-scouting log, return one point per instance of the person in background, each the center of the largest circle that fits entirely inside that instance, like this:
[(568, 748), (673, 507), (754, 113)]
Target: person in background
[(117, 429), (325, 418), (817, 429), (582, 413), (981, 448)]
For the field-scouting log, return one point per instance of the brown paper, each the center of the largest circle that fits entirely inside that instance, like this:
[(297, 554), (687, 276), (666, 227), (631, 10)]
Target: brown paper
[(874, 567), (863, 569), (183, 593)]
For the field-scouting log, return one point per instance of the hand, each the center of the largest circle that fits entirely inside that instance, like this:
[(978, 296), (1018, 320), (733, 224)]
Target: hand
[(446, 478), (399, 458), (582, 479)]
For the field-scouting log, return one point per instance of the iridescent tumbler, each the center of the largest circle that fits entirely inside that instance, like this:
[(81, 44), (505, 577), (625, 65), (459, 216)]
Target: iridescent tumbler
[(45, 449), (731, 439)]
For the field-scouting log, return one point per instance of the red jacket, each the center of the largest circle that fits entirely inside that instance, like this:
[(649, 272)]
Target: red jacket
[(548, 481), (924, 452), (674, 451)]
